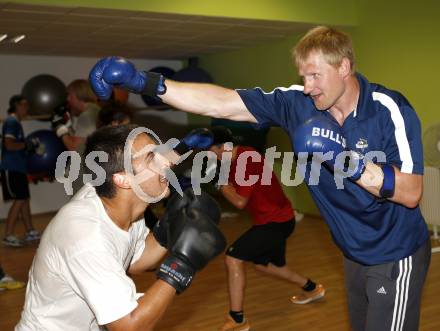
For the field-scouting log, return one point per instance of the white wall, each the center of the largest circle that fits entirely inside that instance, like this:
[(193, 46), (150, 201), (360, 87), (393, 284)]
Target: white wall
[(16, 70)]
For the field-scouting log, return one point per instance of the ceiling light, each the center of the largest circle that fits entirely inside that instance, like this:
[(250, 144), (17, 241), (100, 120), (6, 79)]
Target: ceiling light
[(18, 38), (3, 37)]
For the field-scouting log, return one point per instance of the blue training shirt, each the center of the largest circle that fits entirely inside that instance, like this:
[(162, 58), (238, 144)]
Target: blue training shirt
[(13, 160), (367, 230)]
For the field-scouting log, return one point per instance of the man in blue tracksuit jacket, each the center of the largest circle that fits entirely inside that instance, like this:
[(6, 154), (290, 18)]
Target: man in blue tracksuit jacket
[(369, 203)]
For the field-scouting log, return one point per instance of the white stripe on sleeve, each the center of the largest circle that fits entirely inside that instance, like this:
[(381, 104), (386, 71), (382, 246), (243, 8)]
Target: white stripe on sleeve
[(284, 89), (399, 132)]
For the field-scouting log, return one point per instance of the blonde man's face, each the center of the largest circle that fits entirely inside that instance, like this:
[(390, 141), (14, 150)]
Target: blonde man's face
[(323, 82)]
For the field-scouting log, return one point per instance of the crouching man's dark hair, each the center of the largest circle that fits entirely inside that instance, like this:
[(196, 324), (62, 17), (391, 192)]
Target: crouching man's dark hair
[(110, 140)]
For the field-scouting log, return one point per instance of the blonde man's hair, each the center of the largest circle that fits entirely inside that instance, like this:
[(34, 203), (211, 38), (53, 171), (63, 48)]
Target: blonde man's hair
[(82, 90), (333, 44)]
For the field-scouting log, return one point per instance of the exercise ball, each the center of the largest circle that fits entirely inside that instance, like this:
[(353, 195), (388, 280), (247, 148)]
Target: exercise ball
[(156, 102), (43, 161), (44, 93)]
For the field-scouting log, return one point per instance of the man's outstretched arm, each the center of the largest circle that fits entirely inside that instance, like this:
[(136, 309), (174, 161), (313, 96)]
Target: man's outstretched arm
[(204, 99), (207, 99)]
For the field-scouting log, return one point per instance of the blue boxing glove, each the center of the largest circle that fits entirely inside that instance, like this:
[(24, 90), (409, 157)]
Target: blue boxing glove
[(321, 134), (117, 71), (200, 138)]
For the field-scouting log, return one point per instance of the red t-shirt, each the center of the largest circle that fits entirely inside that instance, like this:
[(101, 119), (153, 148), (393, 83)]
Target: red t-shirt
[(267, 203)]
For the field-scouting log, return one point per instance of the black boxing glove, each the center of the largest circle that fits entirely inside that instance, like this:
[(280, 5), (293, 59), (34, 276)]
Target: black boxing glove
[(31, 145), (203, 202), (60, 121), (156, 227), (160, 232), (193, 241), (150, 218)]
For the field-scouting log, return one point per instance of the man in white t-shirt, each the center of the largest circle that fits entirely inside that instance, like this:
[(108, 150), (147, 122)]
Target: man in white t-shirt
[(78, 279)]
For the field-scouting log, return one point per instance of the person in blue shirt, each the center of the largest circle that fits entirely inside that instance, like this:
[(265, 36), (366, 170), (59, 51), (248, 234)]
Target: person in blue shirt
[(366, 145), (14, 181)]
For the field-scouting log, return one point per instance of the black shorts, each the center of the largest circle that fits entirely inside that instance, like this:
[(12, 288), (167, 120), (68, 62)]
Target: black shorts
[(15, 185), (263, 244)]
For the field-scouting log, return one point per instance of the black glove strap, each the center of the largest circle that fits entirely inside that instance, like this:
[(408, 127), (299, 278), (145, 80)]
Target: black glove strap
[(155, 84), (181, 148), (176, 273), (30, 146)]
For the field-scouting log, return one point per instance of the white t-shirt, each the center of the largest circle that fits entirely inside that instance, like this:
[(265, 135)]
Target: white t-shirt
[(85, 123), (78, 277), (83, 126)]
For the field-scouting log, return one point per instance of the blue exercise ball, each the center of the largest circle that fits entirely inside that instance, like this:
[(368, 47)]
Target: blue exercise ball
[(43, 160)]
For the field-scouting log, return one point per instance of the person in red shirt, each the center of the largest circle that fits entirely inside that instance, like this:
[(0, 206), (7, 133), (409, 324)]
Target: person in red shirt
[(264, 244)]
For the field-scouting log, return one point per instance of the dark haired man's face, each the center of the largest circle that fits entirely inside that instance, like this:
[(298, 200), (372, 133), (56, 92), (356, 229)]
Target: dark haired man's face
[(22, 108), (151, 166)]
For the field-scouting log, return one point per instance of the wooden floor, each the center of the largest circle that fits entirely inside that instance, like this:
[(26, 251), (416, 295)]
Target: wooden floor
[(204, 305)]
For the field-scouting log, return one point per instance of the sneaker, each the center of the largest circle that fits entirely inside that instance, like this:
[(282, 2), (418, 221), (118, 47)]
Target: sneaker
[(231, 325), (9, 283), (298, 216), (306, 297), (13, 241), (32, 235)]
